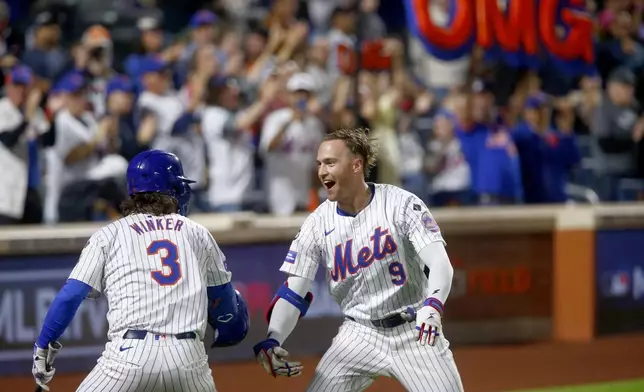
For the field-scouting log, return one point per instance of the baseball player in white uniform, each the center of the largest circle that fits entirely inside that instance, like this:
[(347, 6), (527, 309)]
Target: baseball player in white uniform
[(288, 142), (164, 277), (388, 270)]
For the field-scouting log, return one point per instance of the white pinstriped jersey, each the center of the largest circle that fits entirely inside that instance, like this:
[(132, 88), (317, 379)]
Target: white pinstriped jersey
[(372, 261), (154, 271)]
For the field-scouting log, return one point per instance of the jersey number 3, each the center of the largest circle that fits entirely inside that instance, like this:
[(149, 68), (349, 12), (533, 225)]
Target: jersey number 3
[(169, 260)]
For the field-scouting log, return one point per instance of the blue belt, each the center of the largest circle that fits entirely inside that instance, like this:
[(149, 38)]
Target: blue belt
[(140, 335)]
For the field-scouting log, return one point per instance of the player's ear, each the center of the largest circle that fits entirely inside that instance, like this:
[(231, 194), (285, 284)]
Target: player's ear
[(357, 165)]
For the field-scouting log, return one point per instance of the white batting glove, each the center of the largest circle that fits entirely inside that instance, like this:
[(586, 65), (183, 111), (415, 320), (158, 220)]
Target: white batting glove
[(42, 369), (272, 357), (428, 322)]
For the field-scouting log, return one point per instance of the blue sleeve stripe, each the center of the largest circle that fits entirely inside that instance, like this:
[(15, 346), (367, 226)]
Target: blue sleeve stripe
[(62, 311)]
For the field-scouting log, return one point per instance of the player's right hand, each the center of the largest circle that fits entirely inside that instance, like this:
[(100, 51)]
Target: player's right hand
[(41, 370), (272, 357)]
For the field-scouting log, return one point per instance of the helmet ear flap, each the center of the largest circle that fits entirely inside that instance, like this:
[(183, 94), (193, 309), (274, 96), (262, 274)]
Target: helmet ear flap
[(183, 194)]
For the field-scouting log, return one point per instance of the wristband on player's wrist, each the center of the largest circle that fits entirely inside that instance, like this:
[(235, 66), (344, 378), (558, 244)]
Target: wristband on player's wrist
[(271, 336), (265, 345), (436, 304)]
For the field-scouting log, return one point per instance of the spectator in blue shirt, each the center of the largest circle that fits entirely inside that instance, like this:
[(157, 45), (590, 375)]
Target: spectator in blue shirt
[(202, 34), (471, 136), (620, 49), (152, 42), (488, 150), (46, 58), (546, 154), (499, 171), (120, 113)]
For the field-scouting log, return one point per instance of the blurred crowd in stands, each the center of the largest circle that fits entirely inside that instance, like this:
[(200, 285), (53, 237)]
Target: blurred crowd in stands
[(243, 91)]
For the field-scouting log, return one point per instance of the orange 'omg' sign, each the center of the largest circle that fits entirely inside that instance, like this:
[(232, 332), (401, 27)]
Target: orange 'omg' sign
[(523, 32)]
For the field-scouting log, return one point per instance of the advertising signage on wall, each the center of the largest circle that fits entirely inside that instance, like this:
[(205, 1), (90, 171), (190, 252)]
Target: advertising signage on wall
[(497, 280), (501, 276), (620, 281)]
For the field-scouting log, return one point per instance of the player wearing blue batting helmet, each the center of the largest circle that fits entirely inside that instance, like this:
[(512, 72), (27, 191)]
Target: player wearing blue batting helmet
[(157, 171)]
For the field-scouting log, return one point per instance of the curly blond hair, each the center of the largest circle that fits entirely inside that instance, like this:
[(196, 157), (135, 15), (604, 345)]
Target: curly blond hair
[(359, 143)]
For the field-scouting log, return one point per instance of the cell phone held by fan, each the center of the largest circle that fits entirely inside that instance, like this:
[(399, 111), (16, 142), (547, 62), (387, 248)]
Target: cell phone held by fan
[(301, 105)]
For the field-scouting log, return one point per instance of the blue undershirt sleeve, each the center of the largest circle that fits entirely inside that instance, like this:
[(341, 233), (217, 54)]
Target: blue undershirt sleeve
[(62, 311)]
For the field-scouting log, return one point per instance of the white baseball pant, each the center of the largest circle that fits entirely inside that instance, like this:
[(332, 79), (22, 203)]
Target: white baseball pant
[(155, 363), (360, 353)]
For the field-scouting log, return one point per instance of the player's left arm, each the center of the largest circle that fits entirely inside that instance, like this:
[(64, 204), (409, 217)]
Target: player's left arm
[(227, 310), (423, 232), (86, 278)]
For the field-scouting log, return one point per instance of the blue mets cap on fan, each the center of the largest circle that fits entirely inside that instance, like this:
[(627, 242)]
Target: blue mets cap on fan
[(119, 83), (20, 74), (535, 101), (161, 172), (71, 83), (202, 18), (152, 63)]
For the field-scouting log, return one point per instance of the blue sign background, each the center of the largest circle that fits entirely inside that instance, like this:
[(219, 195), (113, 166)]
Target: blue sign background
[(620, 281)]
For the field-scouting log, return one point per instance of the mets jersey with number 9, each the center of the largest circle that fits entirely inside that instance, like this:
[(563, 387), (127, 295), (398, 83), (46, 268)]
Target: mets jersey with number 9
[(371, 258)]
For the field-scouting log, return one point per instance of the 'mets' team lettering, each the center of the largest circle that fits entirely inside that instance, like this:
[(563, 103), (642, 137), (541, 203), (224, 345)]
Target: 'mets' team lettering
[(157, 224), (343, 258)]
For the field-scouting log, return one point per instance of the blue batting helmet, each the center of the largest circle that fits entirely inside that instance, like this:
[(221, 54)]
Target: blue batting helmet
[(232, 330), (161, 172)]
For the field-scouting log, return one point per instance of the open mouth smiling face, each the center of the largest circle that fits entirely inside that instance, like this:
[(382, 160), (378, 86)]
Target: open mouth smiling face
[(328, 184)]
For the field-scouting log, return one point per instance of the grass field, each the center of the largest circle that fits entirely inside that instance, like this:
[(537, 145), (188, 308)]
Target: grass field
[(618, 386)]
